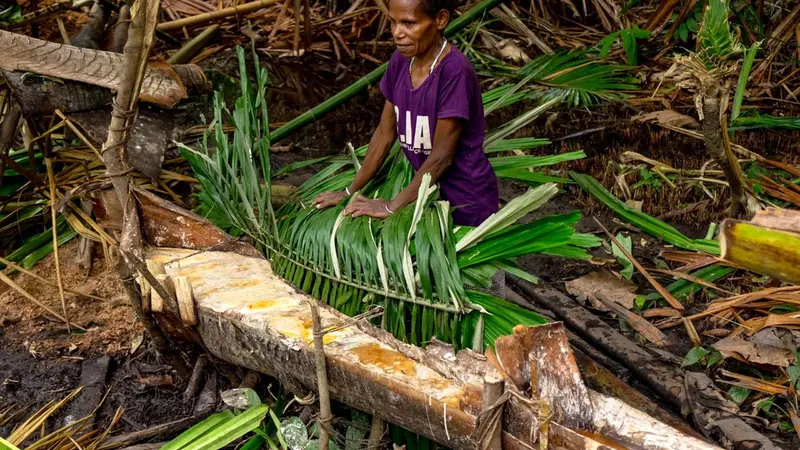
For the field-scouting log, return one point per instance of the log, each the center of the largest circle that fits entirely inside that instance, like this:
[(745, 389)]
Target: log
[(770, 251), (249, 317), (555, 375), (667, 380), (162, 85), (167, 225)]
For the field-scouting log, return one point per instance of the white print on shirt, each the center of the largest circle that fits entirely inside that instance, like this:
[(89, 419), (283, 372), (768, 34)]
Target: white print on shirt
[(421, 140)]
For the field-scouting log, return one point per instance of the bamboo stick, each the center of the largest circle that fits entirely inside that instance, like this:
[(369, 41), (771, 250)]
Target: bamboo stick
[(190, 49), (221, 14), (371, 78)]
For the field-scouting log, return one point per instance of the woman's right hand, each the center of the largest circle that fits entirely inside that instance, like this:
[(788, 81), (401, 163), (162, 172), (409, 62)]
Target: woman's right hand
[(328, 199)]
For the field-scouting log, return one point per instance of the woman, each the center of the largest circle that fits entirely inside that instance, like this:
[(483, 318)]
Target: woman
[(433, 103)]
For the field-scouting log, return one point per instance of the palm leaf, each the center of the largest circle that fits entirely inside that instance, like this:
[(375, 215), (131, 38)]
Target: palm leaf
[(646, 223), (715, 41), (415, 263)]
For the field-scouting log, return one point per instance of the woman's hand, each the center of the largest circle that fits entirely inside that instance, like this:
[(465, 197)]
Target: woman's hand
[(363, 206), (328, 199)]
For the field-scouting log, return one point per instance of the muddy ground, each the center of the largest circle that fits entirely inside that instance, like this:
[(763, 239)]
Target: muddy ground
[(41, 361)]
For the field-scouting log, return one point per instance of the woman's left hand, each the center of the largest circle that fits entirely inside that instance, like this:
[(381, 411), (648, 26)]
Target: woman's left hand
[(363, 206)]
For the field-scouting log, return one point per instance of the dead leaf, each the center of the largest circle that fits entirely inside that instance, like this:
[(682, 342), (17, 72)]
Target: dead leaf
[(508, 49), (795, 422), (635, 204), (661, 312), (156, 380), (136, 342), (606, 283), (666, 117), (754, 352)]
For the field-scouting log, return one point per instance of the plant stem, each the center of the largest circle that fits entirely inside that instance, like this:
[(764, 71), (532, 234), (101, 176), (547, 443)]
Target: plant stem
[(715, 146)]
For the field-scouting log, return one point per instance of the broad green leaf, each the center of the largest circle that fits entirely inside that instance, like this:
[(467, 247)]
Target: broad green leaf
[(794, 373), (294, 433), (240, 398), (627, 264), (695, 355), (738, 394)]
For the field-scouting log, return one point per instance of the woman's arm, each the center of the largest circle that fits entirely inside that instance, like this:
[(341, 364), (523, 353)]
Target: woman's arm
[(445, 146), (379, 146)]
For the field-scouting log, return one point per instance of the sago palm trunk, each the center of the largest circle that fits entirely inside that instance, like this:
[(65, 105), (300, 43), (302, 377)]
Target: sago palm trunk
[(715, 146)]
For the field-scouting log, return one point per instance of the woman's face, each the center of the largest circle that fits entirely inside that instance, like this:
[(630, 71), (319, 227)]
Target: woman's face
[(414, 32)]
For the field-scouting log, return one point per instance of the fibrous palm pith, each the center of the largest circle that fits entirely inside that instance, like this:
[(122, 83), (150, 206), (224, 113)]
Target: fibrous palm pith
[(422, 269)]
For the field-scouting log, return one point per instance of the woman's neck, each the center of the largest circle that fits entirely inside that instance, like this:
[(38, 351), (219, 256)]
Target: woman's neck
[(427, 58)]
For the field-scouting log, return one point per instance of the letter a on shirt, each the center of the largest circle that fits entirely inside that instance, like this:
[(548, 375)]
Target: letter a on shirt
[(422, 134)]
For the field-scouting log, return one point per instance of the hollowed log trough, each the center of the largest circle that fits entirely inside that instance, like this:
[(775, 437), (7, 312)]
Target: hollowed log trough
[(249, 317)]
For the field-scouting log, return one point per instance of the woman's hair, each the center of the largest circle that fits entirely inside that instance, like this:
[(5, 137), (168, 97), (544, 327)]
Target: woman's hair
[(432, 7)]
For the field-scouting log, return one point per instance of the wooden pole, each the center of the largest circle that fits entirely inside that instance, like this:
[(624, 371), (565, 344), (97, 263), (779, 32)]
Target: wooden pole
[(220, 14), (322, 379)]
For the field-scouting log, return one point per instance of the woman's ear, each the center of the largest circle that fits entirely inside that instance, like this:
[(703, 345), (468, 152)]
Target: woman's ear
[(442, 19)]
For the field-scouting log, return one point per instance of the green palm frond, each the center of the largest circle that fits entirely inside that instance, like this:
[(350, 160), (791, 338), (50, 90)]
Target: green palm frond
[(422, 269), (577, 79), (760, 121), (716, 43)]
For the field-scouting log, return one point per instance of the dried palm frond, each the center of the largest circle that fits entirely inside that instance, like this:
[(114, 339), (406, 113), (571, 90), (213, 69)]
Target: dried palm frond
[(77, 435)]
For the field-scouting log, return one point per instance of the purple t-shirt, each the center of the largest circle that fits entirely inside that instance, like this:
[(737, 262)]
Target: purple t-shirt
[(451, 91)]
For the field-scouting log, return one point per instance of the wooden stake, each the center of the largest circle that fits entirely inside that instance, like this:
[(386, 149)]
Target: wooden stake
[(556, 378), (493, 387), (322, 378), (51, 178), (154, 268), (183, 293)]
